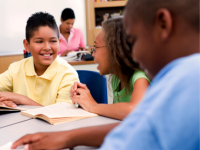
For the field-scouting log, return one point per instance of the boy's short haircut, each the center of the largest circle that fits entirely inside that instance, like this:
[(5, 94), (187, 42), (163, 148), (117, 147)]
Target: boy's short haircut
[(37, 20), (146, 10)]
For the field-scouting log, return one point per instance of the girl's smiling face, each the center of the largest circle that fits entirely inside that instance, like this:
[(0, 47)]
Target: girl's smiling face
[(101, 54)]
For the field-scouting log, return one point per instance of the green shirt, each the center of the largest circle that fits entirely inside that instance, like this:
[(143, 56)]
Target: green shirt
[(122, 96)]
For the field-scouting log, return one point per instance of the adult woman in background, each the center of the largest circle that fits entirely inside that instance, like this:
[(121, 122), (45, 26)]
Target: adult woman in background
[(71, 38)]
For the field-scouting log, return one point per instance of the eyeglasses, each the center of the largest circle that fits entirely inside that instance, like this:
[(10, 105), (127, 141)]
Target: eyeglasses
[(93, 49)]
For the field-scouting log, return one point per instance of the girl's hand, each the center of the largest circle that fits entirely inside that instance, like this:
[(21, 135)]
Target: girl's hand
[(48, 140), (81, 94), (75, 87)]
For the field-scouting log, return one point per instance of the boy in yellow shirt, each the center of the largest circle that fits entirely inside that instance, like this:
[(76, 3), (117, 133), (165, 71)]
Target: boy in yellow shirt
[(43, 79)]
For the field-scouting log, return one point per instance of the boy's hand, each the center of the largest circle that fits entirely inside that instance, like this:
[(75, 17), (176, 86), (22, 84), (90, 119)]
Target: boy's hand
[(10, 98), (48, 140), (8, 104), (81, 94)]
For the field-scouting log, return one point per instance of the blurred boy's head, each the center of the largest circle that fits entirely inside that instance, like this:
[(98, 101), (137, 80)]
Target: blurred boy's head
[(162, 30), (42, 39)]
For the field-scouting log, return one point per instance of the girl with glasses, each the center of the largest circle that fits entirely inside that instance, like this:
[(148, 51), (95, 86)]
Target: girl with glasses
[(112, 53)]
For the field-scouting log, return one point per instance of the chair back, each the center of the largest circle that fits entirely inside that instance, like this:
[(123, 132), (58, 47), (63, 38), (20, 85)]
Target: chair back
[(96, 83)]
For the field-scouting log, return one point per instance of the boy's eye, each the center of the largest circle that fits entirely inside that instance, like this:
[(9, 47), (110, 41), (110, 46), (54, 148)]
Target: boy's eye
[(38, 41), (54, 41)]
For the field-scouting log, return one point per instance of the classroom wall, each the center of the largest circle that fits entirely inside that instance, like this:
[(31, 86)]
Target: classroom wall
[(14, 14)]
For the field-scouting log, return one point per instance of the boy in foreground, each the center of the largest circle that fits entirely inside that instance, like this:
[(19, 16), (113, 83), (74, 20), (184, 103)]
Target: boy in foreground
[(43, 79), (166, 45)]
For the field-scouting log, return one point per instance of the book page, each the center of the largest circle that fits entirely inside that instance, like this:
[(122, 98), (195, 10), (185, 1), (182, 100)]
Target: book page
[(6, 146), (60, 110)]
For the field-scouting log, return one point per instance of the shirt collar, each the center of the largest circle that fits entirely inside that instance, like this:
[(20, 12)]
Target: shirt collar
[(49, 74)]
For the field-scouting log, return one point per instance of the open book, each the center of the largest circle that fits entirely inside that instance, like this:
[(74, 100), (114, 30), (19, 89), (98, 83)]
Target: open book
[(58, 113), (8, 109)]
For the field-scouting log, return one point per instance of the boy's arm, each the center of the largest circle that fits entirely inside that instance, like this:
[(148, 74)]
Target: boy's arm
[(6, 83), (89, 136), (13, 99), (6, 88)]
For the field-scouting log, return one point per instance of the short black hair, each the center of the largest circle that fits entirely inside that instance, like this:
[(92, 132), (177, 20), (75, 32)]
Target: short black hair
[(37, 20), (146, 10), (67, 13)]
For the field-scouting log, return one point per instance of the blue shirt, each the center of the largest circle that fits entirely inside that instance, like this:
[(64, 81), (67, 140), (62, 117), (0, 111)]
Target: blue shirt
[(168, 116)]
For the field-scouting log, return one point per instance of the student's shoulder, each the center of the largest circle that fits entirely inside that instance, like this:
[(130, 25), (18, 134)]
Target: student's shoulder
[(21, 63), (191, 62), (20, 66), (139, 74), (65, 66), (184, 67)]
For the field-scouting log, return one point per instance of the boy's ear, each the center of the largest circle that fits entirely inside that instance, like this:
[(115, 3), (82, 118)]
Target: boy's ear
[(59, 40), (164, 23), (26, 45), (61, 19)]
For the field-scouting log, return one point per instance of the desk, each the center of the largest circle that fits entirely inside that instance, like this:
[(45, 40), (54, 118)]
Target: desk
[(19, 129), (11, 118)]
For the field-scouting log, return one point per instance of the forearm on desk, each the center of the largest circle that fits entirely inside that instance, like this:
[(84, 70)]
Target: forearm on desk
[(27, 101), (90, 136), (116, 111)]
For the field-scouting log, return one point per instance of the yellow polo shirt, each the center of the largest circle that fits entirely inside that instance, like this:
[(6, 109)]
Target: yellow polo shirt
[(51, 87)]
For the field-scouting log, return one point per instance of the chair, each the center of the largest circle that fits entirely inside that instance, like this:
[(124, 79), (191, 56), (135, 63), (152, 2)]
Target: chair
[(96, 83)]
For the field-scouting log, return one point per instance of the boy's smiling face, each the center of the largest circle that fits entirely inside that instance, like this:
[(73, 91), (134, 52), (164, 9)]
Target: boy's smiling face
[(44, 46)]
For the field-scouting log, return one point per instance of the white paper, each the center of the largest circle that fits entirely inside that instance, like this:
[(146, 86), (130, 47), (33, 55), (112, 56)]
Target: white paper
[(8, 147), (73, 55)]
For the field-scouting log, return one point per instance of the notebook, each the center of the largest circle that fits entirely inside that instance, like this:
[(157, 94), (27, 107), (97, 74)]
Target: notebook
[(10, 109)]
